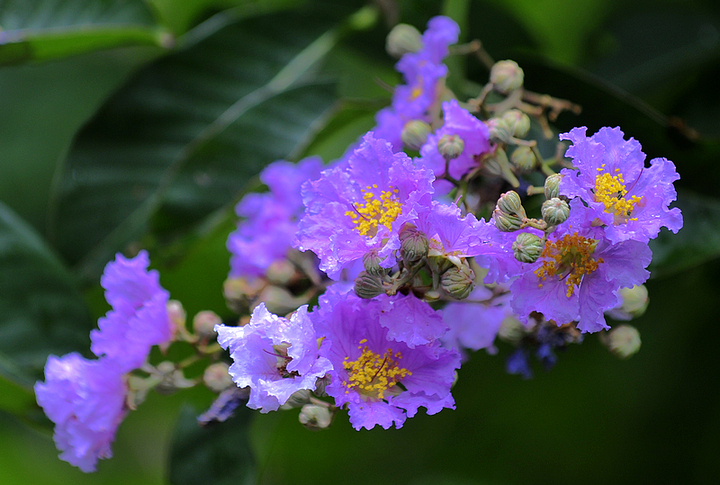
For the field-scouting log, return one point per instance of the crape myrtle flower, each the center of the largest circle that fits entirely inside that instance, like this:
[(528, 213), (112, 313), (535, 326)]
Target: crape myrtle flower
[(382, 381), (138, 319), (86, 401), (270, 224), (361, 206), (274, 356), (422, 71), (611, 178), (579, 273), (473, 132)]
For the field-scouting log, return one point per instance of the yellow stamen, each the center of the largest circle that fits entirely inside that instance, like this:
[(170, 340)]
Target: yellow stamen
[(374, 211), (372, 374), (611, 191), (569, 258)]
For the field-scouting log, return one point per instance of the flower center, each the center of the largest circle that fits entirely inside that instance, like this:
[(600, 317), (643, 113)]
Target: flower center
[(374, 211), (282, 360), (569, 258), (373, 374), (611, 191)]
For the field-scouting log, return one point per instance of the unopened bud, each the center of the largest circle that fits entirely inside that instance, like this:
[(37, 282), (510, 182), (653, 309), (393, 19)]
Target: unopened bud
[(371, 262), (297, 399), (176, 316), (439, 264), (217, 377), (450, 146), (458, 282), (281, 272), (551, 186), (623, 341), (500, 129), (172, 379), (414, 134), (279, 300), (368, 286), (239, 292), (506, 76), (402, 39), (527, 247), (505, 222), (315, 416), (555, 211), (414, 244), (634, 303), (204, 324), (523, 158), (511, 330), (510, 203), (518, 121)]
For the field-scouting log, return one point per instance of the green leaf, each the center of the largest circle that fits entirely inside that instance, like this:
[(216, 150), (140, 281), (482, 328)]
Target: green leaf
[(41, 311), (39, 30), (219, 454), (186, 134)]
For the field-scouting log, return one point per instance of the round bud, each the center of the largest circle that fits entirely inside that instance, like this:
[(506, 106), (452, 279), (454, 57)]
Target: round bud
[(505, 222), (634, 303), (623, 341), (551, 186), (510, 203), (527, 247), (500, 129), (458, 282), (523, 158), (511, 330), (176, 316), (315, 416), (506, 76), (204, 324), (450, 146), (279, 300), (217, 378), (415, 133), (280, 272), (368, 286), (371, 262), (555, 211), (414, 244), (402, 39), (297, 399), (518, 121)]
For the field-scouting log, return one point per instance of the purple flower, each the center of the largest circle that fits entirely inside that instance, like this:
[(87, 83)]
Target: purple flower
[(420, 325), (624, 195), (422, 71), (579, 273), (274, 356), (362, 205), (474, 133), (475, 322), (86, 401), (138, 319), (382, 381), (266, 235)]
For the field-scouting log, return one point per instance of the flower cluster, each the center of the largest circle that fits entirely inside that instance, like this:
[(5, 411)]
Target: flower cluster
[(87, 399)]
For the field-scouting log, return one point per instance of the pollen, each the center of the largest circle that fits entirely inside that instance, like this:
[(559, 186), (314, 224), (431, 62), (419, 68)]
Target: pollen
[(375, 210), (611, 191), (373, 374), (569, 258)]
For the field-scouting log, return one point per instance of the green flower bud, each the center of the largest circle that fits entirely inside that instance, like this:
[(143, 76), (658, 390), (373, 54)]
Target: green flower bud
[(414, 244), (623, 341), (450, 146), (510, 203), (634, 303), (505, 222), (204, 324), (523, 158), (368, 286), (551, 186), (402, 39), (279, 300), (518, 121), (501, 131), (217, 378), (527, 247), (371, 261), (555, 211), (176, 317), (240, 292), (281, 272), (458, 282), (297, 399), (506, 76), (415, 133), (439, 264), (511, 330), (315, 416)]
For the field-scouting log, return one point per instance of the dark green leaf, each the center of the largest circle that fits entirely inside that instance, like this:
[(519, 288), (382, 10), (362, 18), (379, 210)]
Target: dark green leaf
[(38, 30), (219, 454), (41, 311), (186, 134)]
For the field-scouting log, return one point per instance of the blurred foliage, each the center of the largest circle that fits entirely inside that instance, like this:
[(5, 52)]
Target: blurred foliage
[(128, 124)]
